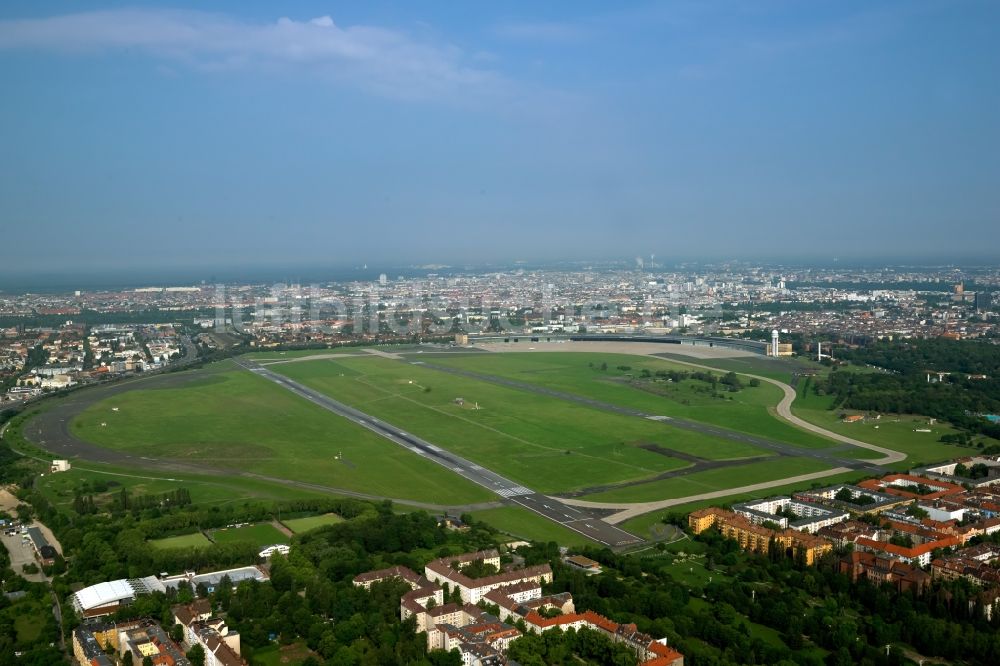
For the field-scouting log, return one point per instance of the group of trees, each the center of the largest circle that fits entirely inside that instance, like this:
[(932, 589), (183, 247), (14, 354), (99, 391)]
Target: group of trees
[(961, 398), (845, 495)]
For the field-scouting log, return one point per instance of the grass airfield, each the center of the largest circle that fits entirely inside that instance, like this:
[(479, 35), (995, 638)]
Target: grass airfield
[(230, 418)]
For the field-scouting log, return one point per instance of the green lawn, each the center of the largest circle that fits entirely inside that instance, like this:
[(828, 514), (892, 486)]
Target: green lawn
[(195, 540), (524, 524), (59, 489), (711, 480), (28, 625), (548, 444), (261, 534), (299, 525), (691, 570), (893, 431), (231, 418), (749, 410)]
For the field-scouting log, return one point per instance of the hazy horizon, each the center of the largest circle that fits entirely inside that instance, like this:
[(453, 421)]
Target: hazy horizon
[(333, 134)]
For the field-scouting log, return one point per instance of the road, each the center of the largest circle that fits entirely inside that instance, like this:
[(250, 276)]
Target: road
[(579, 520)]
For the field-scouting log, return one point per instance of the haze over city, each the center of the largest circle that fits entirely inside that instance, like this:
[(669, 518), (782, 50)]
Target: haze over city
[(183, 135)]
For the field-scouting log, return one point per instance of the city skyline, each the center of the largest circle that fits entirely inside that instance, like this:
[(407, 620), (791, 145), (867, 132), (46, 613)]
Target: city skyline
[(152, 138)]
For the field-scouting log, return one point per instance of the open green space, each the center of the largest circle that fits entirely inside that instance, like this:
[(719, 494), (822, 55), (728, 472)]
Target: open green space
[(547, 443), (194, 540), (232, 419), (281, 655), (711, 480), (692, 569), (299, 525), (104, 482), (29, 622), (261, 534), (523, 524), (604, 377), (899, 432)]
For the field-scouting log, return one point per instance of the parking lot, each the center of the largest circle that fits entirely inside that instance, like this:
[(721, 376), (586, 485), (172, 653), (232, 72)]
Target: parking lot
[(21, 553)]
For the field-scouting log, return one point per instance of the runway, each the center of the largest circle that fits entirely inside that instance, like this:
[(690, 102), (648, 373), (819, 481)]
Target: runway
[(579, 520)]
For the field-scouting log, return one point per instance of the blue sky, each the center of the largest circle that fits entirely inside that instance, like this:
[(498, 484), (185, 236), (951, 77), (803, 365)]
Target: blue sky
[(210, 134)]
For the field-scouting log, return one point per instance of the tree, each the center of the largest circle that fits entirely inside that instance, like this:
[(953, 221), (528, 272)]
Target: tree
[(177, 633), (127, 659), (147, 661), (196, 655)]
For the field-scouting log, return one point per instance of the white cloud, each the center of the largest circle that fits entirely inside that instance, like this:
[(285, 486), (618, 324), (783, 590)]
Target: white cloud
[(386, 61)]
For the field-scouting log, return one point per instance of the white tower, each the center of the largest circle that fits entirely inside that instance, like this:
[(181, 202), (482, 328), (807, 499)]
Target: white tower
[(819, 352), (774, 342)]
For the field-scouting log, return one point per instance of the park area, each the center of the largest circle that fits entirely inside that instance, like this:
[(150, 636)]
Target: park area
[(260, 534), (193, 540)]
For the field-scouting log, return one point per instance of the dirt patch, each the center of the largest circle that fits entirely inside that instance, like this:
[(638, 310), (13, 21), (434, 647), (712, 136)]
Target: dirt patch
[(8, 502)]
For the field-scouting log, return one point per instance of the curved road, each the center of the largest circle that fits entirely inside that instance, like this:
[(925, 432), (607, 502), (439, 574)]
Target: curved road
[(784, 409)]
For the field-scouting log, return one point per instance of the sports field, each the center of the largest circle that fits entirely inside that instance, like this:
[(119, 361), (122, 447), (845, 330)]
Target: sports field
[(299, 525), (548, 444), (230, 418), (261, 534), (194, 540)]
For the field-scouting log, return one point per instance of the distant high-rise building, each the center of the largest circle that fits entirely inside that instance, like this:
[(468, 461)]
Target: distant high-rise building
[(984, 301), (383, 279)]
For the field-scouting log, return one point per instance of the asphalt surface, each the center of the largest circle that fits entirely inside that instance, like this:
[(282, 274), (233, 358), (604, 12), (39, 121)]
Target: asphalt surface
[(21, 553), (584, 521), (827, 455)]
